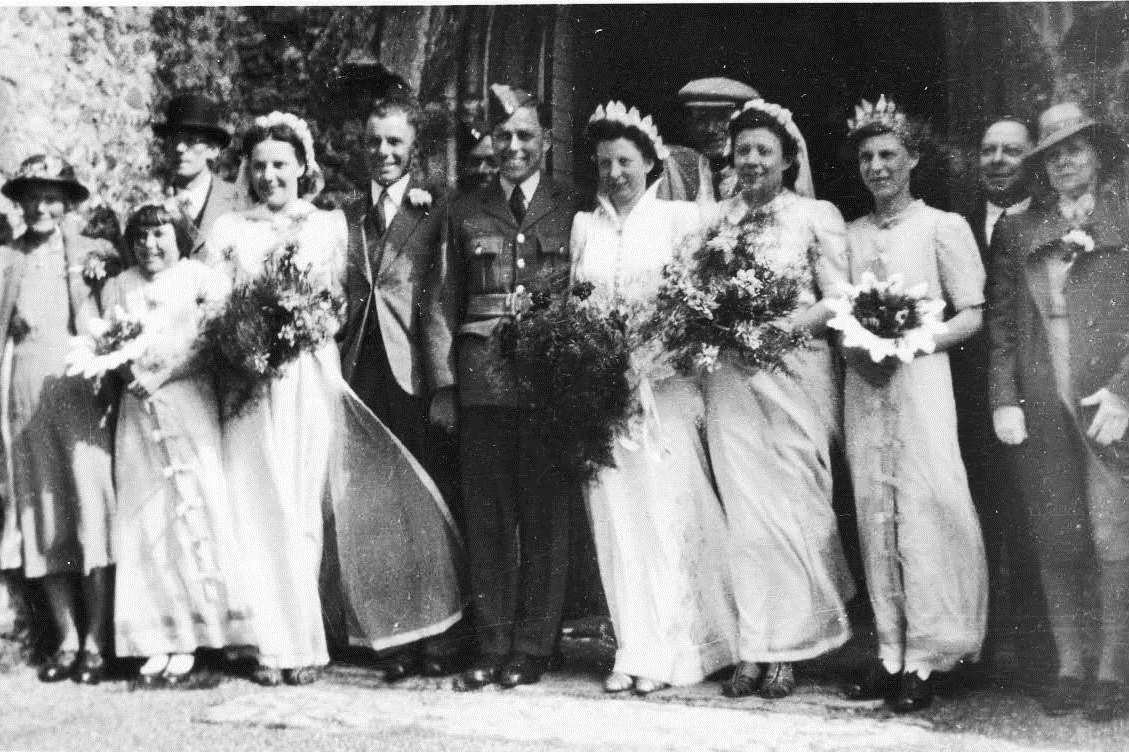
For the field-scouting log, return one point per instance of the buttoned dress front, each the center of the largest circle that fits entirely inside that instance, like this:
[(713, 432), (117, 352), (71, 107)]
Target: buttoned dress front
[(922, 550), (657, 523)]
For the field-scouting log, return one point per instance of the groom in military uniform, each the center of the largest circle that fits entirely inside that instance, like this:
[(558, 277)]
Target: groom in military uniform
[(502, 239)]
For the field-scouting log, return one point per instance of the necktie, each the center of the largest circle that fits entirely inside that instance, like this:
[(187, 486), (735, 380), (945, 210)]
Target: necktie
[(991, 230), (517, 204), (381, 220)]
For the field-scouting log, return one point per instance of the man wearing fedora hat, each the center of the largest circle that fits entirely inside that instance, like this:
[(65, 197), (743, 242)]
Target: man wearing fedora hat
[(699, 171), (1059, 392), (193, 137)]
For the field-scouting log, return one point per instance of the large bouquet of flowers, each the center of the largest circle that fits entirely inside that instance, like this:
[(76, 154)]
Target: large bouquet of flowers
[(887, 320), (267, 323), (111, 343), (572, 357), (733, 295)]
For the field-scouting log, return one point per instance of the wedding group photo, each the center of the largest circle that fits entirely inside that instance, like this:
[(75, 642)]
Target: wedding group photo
[(745, 376)]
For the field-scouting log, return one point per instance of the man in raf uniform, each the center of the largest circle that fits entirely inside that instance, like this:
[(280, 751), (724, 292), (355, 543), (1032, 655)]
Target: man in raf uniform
[(193, 138), (700, 170), (502, 239)]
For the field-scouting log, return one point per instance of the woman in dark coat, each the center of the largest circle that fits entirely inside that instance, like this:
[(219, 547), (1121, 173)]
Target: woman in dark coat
[(1059, 388)]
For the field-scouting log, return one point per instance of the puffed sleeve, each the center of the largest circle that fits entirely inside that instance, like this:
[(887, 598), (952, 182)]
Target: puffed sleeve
[(577, 241), (958, 262), (829, 248)]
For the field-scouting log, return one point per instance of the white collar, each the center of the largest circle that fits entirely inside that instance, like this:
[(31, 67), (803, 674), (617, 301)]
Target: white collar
[(528, 187), (649, 195), (395, 191)]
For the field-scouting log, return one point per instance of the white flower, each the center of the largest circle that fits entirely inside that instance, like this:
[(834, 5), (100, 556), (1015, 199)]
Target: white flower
[(747, 281), (749, 335), (1079, 238), (706, 359), (419, 198)]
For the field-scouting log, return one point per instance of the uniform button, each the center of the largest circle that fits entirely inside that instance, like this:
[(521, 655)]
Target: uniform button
[(519, 289), (478, 251), (521, 263), (521, 237)]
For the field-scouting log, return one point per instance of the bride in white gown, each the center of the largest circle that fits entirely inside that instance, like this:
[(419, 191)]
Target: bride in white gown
[(308, 453), (657, 523)]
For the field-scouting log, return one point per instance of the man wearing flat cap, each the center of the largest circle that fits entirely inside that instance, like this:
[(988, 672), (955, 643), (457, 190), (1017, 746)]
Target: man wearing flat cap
[(192, 137), (502, 239), (700, 171)]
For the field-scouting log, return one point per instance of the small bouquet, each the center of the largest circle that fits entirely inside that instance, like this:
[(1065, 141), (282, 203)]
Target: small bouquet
[(101, 263), (887, 320), (572, 357), (268, 322), (734, 294), (112, 342)]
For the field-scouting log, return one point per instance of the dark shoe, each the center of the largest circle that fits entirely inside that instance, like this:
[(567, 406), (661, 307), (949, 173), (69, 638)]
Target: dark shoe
[(90, 668), (1107, 702), (876, 684), (265, 676), (59, 666), (400, 667), (779, 681), (523, 669), (914, 693), (437, 666), (297, 677), (1067, 695), (745, 682), (478, 676)]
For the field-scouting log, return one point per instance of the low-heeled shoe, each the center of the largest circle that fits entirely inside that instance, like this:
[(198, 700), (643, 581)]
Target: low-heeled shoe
[(1067, 695), (59, 666), (914, 693), (523, 669), (90, 668), (876, 684), (1107, 701), (478, 676)]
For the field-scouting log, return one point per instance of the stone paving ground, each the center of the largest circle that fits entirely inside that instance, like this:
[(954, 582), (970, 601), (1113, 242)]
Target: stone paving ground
[(353, 709)]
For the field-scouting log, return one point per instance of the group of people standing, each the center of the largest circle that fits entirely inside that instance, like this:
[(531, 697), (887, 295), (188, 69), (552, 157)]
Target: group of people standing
[(321, 509)]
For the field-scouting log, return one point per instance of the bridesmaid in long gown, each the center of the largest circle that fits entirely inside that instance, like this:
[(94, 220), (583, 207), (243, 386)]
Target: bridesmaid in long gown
[(920, 537), (770, 433), (657, 523), (309, 453), (59, 446), (174, 539)]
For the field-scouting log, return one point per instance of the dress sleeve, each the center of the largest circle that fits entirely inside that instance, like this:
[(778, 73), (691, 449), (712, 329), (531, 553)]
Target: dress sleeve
[(577, 241), (829, 248), (220, 242), (339, 246), (958, 261)]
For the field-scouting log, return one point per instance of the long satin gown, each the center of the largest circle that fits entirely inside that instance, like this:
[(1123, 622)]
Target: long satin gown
[(769, 436), (310, 454), (658, 527)]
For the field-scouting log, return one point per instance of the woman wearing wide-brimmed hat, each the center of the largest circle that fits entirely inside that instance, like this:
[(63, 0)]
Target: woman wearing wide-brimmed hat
[(1059, 389), (60, 449)]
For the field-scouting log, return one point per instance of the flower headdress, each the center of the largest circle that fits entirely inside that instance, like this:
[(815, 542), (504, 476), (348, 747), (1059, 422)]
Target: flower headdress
[(302, 129), (617, 112), (782, 115), (883, 114)]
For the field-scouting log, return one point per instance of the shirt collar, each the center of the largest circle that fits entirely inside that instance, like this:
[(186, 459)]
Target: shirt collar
[(198, 194), (1017, 208), (395, 191), (528, 187)]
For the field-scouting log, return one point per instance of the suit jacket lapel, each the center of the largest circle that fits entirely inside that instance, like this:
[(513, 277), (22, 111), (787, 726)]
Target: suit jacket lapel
[(494, 204), (542, 202), (399, 232)]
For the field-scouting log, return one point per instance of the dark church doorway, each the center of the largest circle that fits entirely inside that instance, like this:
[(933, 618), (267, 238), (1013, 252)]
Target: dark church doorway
[(817, 60)]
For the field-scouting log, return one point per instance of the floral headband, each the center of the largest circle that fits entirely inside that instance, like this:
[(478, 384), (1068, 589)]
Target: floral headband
[(617, 112), (781, 115), (883, 114)]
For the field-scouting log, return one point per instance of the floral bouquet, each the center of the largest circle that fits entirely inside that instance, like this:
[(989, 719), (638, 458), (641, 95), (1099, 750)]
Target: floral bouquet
[(101, 263), (887, 320), (112, 342), (733, 295), (572, 355), (267, 323)]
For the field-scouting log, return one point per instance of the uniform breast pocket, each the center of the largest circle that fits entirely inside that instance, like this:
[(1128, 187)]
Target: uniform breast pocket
[(486, 268), (552, 248)]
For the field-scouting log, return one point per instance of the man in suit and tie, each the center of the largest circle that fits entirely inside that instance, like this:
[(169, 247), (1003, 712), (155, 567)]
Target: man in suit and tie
[(502, 240), (193, 137), (396, 341), (1015, 606)]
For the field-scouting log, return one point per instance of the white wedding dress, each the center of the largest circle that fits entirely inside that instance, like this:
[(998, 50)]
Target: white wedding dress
[(657, 523)]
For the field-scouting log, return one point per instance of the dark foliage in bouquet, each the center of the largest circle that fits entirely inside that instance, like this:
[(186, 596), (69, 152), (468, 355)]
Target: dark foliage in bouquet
[(885, 313), (572, 357), (728, 297), (267, 323)]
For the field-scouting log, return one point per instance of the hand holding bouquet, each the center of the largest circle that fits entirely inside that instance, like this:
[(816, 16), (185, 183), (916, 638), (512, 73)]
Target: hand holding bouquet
[(112, 342), (886, 321)]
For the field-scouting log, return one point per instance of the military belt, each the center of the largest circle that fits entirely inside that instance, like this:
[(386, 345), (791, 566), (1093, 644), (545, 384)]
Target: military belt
[(494, 305)]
